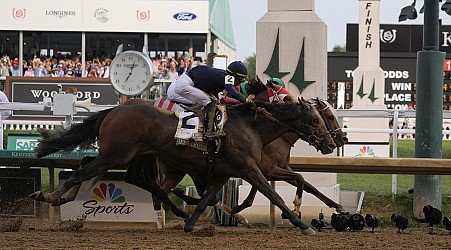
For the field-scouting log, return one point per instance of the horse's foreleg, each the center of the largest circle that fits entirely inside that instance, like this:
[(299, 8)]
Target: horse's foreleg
[(254, 176), (215, 184), (295, 179), (246, 203), (309, 188)]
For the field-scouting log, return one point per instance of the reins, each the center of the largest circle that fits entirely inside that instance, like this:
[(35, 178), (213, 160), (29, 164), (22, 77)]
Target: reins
[(311, 139)]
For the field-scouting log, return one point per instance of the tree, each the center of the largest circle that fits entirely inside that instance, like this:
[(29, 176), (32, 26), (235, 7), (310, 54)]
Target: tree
[(339, 48), (250, 63)]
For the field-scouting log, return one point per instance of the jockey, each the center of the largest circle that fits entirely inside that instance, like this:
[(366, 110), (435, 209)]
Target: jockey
[(192, 88), (277, 92)]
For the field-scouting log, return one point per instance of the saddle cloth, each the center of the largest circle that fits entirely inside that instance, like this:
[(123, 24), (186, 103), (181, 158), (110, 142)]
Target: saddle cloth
[(189, 128)]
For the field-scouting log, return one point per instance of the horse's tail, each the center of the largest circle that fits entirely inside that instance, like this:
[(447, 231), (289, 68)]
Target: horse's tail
[(81, 134)]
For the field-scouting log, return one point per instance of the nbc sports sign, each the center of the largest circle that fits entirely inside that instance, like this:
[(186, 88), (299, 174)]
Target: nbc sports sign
[(111, 199), (367, 150)]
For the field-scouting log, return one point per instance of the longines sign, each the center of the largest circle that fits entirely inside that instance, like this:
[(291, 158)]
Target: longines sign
[(34, 89)]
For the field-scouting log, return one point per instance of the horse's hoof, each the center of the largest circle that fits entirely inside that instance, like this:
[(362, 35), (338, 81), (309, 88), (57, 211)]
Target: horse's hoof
[(340, 209), (188, 228), (308, 231), (38, 196), (243, 221)]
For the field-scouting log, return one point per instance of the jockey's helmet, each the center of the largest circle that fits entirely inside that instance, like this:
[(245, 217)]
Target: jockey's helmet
[(276, 81), (237, 68)]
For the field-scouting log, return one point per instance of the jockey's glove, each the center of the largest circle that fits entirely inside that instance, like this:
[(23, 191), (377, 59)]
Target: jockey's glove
[(251, 103)]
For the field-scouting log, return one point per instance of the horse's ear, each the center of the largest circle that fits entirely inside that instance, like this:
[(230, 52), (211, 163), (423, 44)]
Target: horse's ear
[(299, 99), (258, 78)]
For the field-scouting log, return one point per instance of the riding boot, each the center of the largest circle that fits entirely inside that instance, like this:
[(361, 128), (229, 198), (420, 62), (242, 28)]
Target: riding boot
[(209, 115)]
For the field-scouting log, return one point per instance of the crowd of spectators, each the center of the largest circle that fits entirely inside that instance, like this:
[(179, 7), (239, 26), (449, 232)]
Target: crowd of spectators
[(63, 66)]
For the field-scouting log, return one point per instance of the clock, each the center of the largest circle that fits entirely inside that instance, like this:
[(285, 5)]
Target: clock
[(131, 73)]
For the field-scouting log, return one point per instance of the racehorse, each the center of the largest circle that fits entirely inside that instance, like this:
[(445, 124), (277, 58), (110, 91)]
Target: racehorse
[(129, 131), (276, 156)]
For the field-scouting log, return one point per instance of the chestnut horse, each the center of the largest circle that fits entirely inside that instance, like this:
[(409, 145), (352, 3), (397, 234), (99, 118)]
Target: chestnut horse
[(129, 131)]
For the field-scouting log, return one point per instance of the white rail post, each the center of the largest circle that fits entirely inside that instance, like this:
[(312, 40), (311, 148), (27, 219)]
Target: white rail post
[(394, 177)]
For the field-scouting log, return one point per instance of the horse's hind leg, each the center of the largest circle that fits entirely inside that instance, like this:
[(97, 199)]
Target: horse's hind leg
[(215, 184), (97, 167), (142, 172)]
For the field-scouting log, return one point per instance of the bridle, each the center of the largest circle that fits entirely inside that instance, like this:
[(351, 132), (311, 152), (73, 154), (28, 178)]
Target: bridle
[(310, 138), (330, 130)]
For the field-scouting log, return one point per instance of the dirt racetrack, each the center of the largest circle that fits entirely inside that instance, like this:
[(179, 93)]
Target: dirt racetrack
[(39, 234)]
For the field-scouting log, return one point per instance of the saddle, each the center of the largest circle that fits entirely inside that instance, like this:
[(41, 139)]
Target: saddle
[(190, 127)]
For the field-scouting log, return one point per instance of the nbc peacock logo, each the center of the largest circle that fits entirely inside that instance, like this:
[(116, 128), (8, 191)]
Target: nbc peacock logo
[(108, 192), (366, 151), (107, 199)]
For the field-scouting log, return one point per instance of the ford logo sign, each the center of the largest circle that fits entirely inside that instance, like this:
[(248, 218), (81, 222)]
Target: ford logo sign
[(184, 16)]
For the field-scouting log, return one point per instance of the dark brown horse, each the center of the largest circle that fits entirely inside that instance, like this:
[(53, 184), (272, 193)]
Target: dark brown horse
[(276, 156), (130, 131)]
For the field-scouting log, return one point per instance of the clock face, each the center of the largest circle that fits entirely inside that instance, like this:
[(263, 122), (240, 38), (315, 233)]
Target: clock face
[(131, 73)]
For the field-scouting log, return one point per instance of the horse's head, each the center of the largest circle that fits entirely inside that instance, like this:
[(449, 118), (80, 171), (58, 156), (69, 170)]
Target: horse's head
[(331, 122), (302, 118), (315, 127), (258, 89)]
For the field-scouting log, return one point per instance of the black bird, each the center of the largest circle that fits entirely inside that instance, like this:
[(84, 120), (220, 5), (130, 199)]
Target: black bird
[(356, 222), (371, 221), (447, 224), (400, 222), (433, 217), (319, 223), (340, 222)]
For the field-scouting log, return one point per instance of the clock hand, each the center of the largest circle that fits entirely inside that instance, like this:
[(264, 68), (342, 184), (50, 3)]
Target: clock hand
[(131, 69), (129, 74)]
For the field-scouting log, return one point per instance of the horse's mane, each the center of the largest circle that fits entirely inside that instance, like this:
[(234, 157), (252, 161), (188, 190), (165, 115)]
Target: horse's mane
[(287, 110)]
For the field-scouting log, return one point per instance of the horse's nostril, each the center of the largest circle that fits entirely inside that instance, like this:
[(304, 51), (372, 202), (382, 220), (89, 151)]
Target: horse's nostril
[(331, 145), (345, 139)]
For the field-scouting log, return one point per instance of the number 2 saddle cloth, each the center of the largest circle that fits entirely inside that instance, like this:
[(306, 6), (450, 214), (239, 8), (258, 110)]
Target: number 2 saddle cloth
[(190, 126)]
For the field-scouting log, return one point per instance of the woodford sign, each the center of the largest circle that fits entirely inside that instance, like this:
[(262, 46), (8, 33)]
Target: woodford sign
[(34, 89)]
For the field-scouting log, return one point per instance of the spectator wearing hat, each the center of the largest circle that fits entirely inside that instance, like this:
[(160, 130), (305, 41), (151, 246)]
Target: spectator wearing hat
[(15, 70), (78, 72), (70, 73)]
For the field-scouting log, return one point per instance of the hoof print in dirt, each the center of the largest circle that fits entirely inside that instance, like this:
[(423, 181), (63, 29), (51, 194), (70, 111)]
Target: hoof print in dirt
[(209, 231), (10, 224)]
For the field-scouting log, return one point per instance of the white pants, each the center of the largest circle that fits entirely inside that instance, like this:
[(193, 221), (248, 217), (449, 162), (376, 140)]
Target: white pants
[(182, 90)]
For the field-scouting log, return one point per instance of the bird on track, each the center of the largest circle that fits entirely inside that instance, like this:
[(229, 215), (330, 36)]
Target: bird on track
[(371, 221), (319, 223), (340, 222), (356, 222), (433, 217), (447, 224), (400, 222)]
